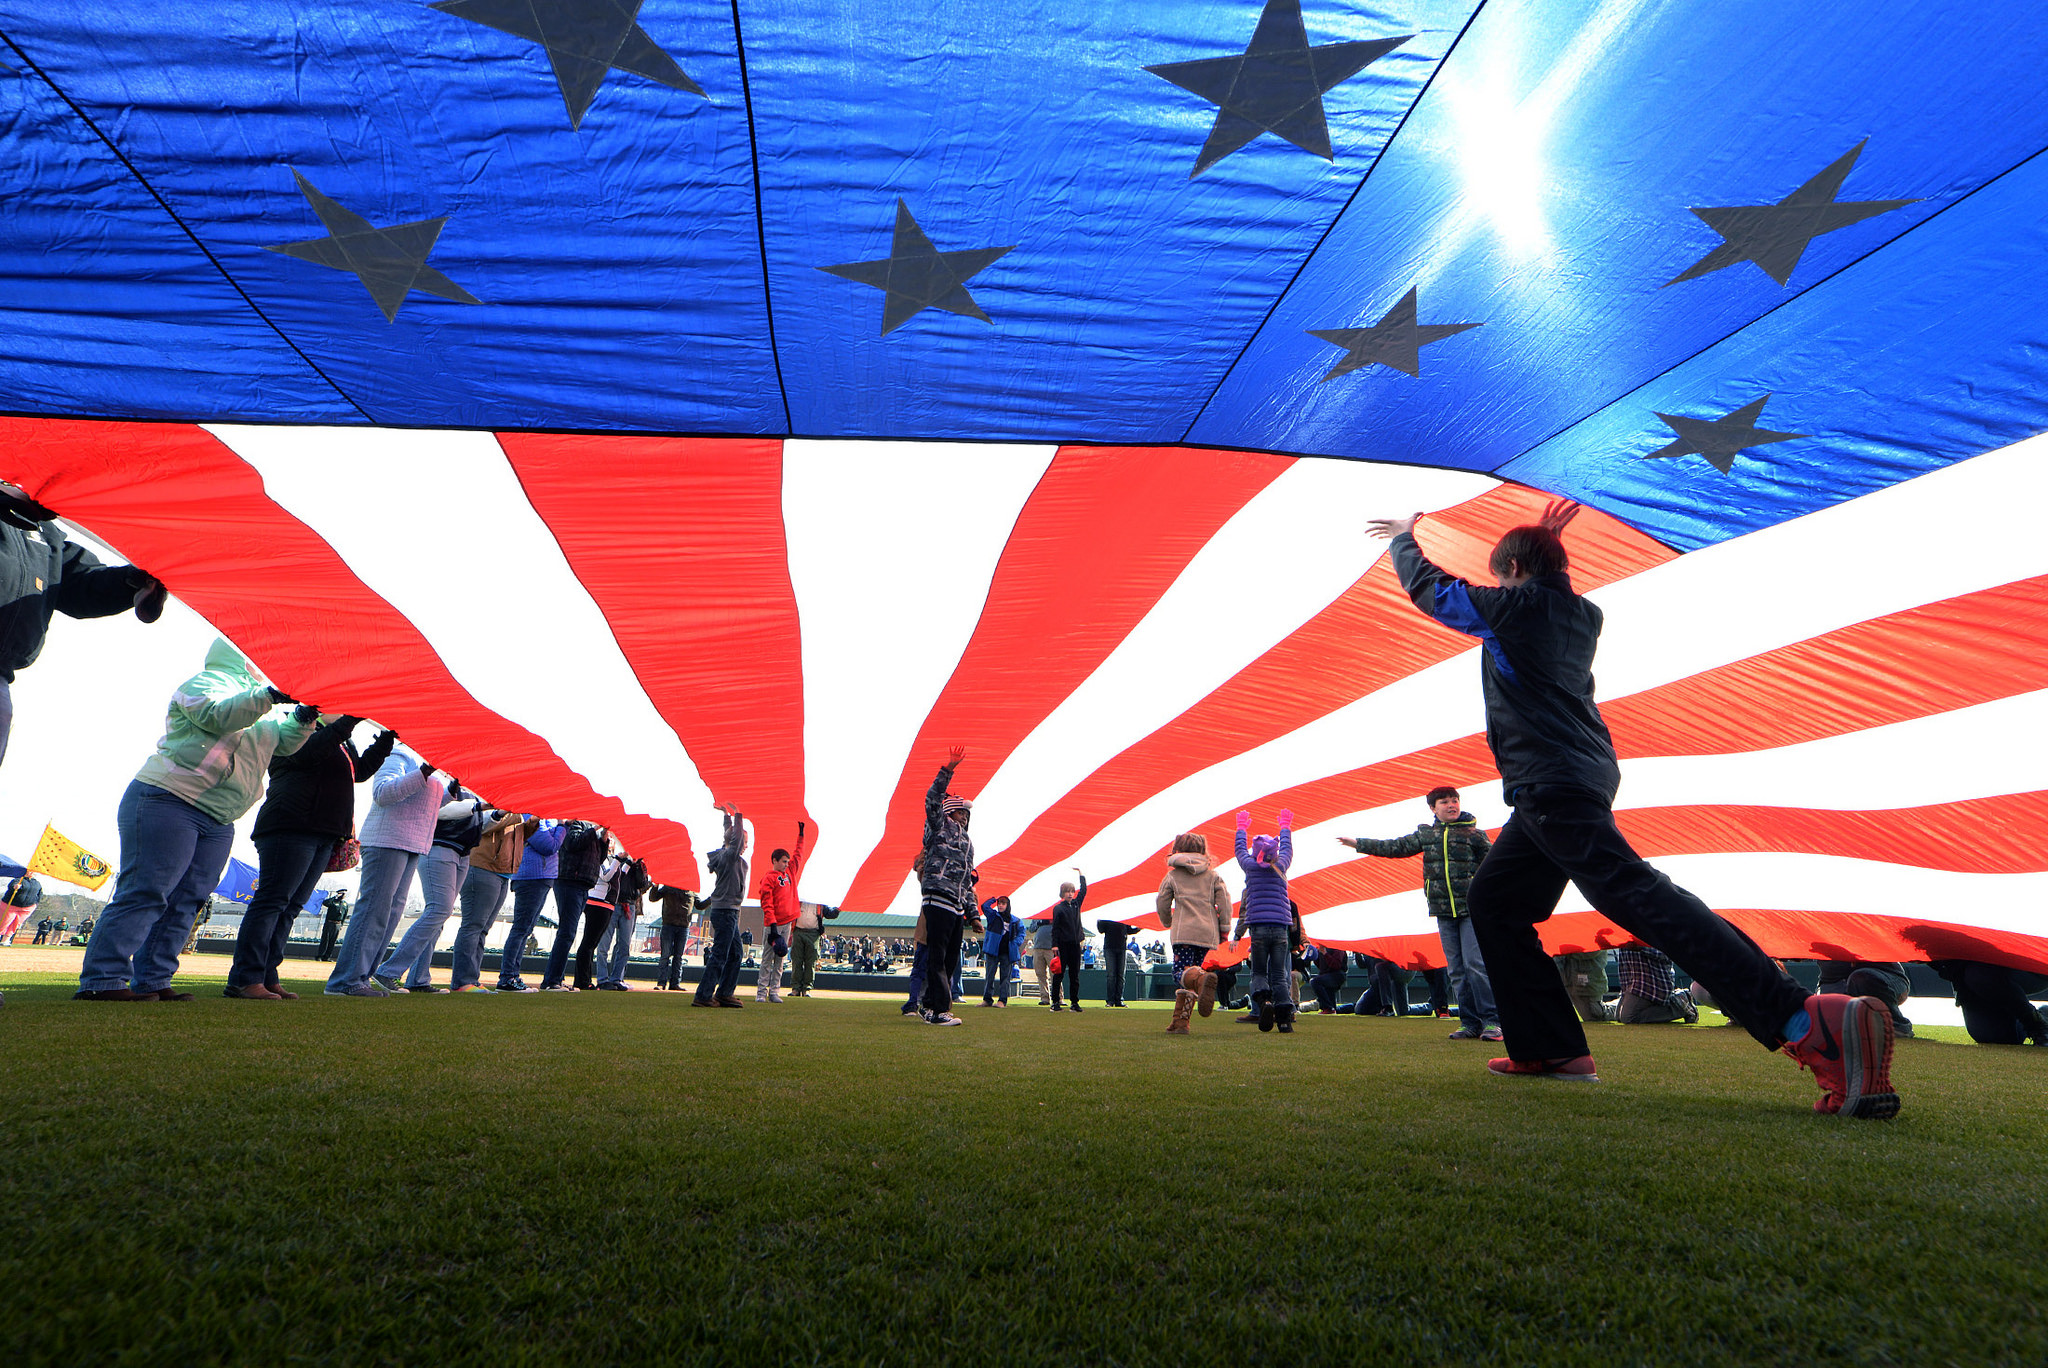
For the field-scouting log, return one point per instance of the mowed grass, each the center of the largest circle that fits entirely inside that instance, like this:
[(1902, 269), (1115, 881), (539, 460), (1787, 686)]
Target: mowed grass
[(614, 1177)]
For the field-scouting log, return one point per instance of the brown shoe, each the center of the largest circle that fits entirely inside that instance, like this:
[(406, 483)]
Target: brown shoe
[(730, 1002), (254, 992), (286, 994), (169, 995), (1206, 995), (112, 995), (1183, 1009)]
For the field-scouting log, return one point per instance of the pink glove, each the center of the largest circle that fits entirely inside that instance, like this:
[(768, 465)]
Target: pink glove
[(1286, 817), (1244, 820)]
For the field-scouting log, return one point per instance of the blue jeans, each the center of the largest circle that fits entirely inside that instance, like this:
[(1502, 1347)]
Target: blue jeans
[(483, 893), (668, 970), (380, 897), (997, 974), (617, 948), (529, 896), (441, 874), (570, 895), (722, 960), (1468, 972), (289, 865), (171, 858), (920, 964), (1272, 963)]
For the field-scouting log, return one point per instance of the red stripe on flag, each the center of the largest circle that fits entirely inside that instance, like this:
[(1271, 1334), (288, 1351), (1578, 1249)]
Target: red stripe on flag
[(1369, 638), (1106, 532), (181, 505), (1971, 649), (681, 545)]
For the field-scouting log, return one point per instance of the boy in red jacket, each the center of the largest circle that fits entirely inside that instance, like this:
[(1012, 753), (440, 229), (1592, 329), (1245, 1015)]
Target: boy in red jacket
[(779, 911)]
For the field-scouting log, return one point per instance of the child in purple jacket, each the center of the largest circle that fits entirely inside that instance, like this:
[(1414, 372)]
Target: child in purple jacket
[(1268, 917)]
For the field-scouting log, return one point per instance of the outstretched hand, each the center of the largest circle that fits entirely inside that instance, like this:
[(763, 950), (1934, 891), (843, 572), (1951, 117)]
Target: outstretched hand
[(1244, 820), (1391, 527), (1287, 817), (955, 756), (1559, 512)]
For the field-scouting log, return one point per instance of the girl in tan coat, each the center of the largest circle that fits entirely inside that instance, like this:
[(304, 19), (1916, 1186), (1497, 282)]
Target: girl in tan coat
[(1194, 907)]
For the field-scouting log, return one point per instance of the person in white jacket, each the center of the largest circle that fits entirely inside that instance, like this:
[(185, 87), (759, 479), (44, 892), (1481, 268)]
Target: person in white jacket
[(405, 802)]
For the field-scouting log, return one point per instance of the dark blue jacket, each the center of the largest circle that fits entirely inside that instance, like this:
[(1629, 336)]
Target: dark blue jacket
[(1265, 886), (541, 859), (1536, 670)]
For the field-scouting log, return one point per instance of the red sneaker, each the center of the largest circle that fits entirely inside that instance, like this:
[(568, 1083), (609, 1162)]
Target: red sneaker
[(1578, 1070), (1849, 1048)]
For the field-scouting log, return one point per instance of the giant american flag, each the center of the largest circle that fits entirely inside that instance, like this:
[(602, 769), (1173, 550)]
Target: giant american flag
[(646, 404)]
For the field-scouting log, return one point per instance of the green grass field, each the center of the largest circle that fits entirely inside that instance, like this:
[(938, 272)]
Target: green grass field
[(605, 1177)]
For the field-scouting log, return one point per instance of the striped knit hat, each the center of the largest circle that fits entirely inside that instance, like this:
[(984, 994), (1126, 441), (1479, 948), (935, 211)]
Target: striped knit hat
[(953, 803)]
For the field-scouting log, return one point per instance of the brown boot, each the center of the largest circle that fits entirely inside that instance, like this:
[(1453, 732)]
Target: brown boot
[(1206, 994), (1183, 1010), (730, 1002)]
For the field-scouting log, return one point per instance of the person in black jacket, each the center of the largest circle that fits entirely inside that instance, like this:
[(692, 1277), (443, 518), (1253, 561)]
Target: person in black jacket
[(580, 867), (1116, 943), (42, 573), (1066, 938), (331, 924), (1560, 773), (310, 809)]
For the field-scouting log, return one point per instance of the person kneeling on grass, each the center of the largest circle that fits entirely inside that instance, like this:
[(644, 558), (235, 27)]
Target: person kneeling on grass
[(1270, 915), (1559, 772), (1649, 995), (1995, 1001)]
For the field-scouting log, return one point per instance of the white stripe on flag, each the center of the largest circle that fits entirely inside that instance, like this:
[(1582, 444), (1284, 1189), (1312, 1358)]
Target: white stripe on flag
[(892, 546), (437, 524), (1770, 879), (1285, 556)]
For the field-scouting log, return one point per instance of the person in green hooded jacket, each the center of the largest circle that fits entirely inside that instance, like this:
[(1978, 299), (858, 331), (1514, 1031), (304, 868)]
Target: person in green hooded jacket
[(1451, 847), (177, 822)]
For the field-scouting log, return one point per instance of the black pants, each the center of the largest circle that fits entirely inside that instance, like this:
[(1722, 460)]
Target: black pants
[(1070, 965), (941, 943), (1996, 1010), (288, 867), (596, 917), (1113, 952), (668, 971), (1560, 835)]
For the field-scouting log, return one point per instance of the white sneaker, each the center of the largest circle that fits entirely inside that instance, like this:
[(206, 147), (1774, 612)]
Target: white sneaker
[(775, 997)]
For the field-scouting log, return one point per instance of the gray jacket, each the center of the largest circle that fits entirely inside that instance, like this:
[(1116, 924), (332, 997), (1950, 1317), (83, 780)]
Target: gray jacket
[(728, 865)]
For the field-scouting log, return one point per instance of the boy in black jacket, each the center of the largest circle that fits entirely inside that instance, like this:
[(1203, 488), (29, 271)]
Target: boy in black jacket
[(1559, 771), (1066, 938)]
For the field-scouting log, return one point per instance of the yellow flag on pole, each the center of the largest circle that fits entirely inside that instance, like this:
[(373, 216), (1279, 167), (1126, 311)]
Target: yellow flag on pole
[(60, 857)]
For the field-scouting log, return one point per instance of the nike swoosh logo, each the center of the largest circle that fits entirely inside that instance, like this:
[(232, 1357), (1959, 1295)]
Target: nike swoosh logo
[(1829, 1050)]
